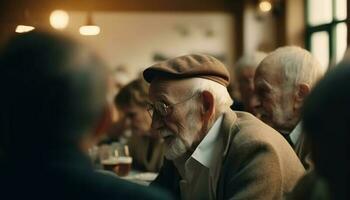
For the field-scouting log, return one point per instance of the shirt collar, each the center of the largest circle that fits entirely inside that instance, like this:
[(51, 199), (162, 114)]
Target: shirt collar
[(207, 151), (295, 134)]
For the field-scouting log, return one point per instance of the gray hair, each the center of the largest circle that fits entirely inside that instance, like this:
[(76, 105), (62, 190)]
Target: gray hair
[(222, 97), (299, 66), (251, 61)]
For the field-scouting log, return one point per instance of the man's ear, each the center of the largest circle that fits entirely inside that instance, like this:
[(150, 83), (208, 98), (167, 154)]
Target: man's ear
[(303, 89), (207, 108)]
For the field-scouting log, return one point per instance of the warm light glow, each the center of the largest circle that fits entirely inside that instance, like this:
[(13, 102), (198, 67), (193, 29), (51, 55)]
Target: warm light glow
[(59, 19), (24, 28), (89, 30), (265, 6)]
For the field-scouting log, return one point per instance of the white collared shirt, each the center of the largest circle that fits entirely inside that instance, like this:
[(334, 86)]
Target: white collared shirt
[(202, 168), (295, 134)]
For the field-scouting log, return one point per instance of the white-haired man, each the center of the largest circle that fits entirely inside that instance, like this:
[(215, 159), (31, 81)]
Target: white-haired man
[(244, 72), (212, 151), (282, 81)]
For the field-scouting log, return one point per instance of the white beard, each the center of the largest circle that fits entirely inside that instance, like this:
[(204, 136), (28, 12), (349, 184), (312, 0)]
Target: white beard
[(176, 149)]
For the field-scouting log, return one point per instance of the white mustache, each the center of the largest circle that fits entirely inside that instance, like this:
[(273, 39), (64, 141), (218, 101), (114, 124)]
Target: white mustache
[(165, 133)]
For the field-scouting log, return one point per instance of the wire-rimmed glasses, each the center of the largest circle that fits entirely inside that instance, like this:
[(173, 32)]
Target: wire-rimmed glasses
[(162, 109)]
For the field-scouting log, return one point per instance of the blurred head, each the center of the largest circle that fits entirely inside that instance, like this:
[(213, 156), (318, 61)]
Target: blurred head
[(282, 81), (326, 124), (245, 71), (54, 93), (184, 109), (132, 100), (118, 78)]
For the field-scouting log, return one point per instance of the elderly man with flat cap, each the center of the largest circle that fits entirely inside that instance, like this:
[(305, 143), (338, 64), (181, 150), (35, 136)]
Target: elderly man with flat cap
[(212, 151)]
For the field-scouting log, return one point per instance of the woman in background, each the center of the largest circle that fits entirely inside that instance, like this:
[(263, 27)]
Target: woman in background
[(146, 149)]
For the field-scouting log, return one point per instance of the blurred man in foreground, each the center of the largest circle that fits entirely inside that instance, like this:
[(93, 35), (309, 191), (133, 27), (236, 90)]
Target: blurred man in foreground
[(326, 123), (212, 151), (282, 82), (54, 100)]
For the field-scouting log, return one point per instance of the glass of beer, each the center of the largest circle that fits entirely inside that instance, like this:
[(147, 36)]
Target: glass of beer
[(117, 159), (123, 166), (124, 160), (109, 164)]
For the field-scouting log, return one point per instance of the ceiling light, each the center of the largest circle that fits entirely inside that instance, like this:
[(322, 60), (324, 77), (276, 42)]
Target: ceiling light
[(59, 19), (90, 28), (24, 25), (265, 6), (24, 28)]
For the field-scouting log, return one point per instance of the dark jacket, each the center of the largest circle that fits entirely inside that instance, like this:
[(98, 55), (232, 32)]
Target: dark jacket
[(65, 175)]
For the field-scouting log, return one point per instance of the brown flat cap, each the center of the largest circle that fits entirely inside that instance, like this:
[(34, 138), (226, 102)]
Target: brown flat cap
[(189, 66)]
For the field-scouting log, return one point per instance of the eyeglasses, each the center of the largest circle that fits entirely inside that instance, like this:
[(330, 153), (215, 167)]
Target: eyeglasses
[(160, 108)]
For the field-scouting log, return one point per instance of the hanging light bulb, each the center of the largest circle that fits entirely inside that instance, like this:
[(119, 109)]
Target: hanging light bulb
[(59, 19), (24, 26), (265, 6), (90, 28)]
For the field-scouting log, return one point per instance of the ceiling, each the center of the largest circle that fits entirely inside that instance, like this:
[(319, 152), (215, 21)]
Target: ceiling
[(13, 12), (9, 9)]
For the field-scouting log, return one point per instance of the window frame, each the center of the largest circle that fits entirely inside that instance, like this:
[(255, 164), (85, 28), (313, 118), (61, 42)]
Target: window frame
[(330, 28)]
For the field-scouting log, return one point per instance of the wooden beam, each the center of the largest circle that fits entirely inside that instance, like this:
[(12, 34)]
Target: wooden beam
[(12, 11), (239, 29), (295, 22), (281, 29), (124, 6), (348, 23)]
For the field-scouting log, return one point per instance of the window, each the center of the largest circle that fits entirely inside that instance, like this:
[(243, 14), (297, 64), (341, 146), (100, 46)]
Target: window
[(326, 31)]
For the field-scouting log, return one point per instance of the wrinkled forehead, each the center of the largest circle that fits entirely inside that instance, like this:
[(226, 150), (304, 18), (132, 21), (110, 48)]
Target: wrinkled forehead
[(171, 88), (269, 71)]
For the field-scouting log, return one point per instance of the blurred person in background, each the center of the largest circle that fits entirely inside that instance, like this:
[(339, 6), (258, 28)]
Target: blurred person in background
[(244, 72), (117, 132), (54, 108), (282, 81), (325, 118), (147, 149), (213, 152)]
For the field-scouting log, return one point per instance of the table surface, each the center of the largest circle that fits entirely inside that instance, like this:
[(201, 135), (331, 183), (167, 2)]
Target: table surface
[(142, 178)]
